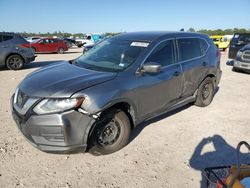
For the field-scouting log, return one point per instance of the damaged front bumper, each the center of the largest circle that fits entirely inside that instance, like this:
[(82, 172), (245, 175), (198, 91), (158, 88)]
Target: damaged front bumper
[(61, 132)]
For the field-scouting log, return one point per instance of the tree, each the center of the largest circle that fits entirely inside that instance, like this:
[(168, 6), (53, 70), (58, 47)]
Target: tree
[(191, 29)]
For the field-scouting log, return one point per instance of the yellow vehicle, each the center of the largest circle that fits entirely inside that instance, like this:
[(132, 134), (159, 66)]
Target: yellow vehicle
[(216, 39), (222, 42), (225, 41)]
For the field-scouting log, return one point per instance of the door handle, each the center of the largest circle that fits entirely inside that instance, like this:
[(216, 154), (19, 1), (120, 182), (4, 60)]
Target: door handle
[(4, 46), (176, 73), (204, 64)]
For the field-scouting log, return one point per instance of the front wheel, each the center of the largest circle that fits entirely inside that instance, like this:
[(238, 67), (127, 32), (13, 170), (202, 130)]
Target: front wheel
[(111, 133), (15, 62), (236, 69), (205, 93), (60, 51)]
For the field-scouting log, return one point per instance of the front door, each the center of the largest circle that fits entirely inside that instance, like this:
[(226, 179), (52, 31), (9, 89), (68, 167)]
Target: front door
[(156, 92)]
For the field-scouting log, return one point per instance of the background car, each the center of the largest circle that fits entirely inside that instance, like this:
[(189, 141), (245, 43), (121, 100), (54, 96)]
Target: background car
[(239, 40), (242, 60), (70, 42), (216, 39), (15, 51), (88, 39), (224, 42), (32, 39), (48, 45)]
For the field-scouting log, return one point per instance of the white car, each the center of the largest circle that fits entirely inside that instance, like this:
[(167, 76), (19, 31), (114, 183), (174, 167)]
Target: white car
[(88, 39)]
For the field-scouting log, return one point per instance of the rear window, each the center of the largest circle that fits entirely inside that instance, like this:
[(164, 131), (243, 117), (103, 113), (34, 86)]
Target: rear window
[(191, 48)]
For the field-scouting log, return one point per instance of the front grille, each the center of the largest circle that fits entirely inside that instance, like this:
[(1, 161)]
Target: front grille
[(23, 102), (246, 55)]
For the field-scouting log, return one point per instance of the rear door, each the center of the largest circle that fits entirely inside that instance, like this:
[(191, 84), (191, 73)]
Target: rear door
[(5, 46), (40, 45), (55, 44), (156, 92), (193, 61), (238, 41)]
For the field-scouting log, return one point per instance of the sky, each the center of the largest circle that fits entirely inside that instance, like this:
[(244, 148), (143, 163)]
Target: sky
[(99, 16)]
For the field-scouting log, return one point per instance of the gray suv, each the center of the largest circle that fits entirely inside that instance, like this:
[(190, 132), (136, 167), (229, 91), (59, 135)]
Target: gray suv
[(14, 52), (94, 101)]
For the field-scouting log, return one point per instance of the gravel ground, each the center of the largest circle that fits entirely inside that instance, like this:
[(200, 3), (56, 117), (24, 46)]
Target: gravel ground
[(170, 151)]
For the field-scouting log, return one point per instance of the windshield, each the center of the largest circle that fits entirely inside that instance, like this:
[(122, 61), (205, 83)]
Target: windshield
[(244, 39), (111, 55)]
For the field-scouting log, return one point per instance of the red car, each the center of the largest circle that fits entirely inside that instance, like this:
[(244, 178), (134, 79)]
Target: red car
[(48, 45)]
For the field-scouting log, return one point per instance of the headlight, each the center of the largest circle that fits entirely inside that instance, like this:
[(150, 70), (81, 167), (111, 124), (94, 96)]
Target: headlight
[(57, 105), (239, 53)]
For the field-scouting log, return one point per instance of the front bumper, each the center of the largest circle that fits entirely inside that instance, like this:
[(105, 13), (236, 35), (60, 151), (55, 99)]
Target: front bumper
[(62, 132), (241, 65), (30, 58)]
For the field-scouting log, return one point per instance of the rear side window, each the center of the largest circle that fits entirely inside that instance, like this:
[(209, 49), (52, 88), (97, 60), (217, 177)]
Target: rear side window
[(163, 54), (6, 37), (191, 48)]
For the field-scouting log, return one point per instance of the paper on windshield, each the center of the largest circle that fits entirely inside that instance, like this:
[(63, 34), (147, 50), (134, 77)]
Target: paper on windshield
[(140, 44)]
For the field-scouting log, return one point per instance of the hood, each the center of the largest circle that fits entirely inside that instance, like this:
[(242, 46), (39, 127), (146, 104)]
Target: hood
[(62, 80), (246, 47)]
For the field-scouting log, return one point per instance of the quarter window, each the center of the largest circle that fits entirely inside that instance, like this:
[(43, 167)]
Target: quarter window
[(204, 46), (163, 54), (191, 48)]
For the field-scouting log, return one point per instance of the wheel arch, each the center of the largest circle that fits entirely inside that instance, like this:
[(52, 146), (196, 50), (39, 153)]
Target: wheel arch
[(123, 105), (14, 53)]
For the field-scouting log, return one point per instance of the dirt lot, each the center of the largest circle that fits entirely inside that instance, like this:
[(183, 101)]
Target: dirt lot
[(170, 151)]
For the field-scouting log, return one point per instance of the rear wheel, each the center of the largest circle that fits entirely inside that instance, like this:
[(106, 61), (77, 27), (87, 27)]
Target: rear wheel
[(15, 62), (33, 49), (60, 51), (205, 92), (111, 133)]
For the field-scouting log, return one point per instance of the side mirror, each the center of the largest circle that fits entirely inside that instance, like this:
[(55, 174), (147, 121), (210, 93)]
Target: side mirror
[(151, 67)]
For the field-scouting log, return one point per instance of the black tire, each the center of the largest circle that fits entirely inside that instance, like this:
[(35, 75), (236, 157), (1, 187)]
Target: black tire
[(111, 133), (205, 93), (14, 62), (60, 51), (235, 69)]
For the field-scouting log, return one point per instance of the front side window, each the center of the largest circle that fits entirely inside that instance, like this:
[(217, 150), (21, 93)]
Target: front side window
[(244, 39), (111, 55), (191, 48), (163, 54)]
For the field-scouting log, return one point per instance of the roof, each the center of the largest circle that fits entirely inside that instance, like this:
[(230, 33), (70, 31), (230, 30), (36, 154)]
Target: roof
[(150, 36)]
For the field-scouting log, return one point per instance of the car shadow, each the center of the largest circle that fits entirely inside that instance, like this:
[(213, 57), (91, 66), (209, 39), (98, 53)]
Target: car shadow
[(40, 64), (222, 155)]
